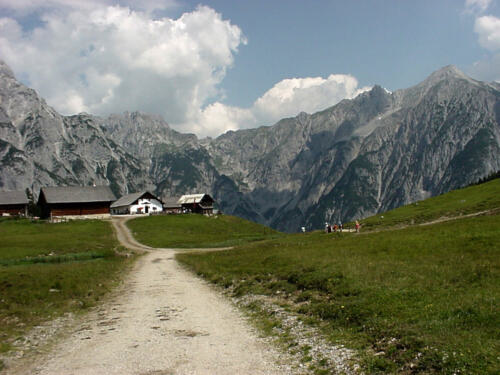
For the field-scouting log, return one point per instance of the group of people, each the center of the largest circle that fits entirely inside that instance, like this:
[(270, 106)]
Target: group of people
[(333, 228), (340, 227)]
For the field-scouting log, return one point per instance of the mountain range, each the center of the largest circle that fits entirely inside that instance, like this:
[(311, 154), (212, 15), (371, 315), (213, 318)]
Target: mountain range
[(359, 157)]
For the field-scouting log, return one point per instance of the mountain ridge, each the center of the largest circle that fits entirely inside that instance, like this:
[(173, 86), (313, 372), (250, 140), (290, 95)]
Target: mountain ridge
[(356, 158)]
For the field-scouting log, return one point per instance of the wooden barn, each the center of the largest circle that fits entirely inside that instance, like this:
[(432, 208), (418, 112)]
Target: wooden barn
[(197, 203), (137, 203), (75, 200), (171, 205), (13, 203)]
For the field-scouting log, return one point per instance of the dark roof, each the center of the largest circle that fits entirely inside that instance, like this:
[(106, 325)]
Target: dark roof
[(129, 199), (13, 197), (171, 202), (77, 194)]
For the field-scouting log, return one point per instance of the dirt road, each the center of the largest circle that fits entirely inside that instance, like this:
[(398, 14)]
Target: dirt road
[(162, 321)]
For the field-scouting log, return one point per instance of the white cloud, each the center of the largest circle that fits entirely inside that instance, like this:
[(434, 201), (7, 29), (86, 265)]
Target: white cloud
[(112, 59), (488, 29), (218, 118), (89, 56), (291, 96), (477, 6), (285, 99)]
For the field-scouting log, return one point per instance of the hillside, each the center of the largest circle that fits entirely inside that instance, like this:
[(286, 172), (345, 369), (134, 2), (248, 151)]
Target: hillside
[(420, 299), (198, 231), (360, 157), (477, 199)]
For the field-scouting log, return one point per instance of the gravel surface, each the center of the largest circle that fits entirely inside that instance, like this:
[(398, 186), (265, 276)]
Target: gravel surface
[(163, 320), (307, 341)]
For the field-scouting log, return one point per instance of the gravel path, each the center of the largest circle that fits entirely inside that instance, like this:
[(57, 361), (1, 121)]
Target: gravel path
[(162, 321)]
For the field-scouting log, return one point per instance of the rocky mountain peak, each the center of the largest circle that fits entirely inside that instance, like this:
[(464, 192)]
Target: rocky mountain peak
[(362, 156), (449, 70), (449, 78), (378, 90), (446, 73), (5, 70)]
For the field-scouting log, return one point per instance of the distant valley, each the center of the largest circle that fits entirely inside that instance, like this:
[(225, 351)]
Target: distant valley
[(360, 157)]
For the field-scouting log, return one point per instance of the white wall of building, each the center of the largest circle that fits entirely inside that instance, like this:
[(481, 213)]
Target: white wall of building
[(144, 206)]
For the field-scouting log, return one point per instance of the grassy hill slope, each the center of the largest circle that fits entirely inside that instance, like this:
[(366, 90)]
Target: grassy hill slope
[(469, 200), (422, 299), (197, 231)]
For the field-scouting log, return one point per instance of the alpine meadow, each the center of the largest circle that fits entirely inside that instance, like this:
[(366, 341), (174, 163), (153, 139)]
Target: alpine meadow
[(411, 297), (250, 187)]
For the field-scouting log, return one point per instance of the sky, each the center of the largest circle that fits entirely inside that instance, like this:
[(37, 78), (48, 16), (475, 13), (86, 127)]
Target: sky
[(213, 66)]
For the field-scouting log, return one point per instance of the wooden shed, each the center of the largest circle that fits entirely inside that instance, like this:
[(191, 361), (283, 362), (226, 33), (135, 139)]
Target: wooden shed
[(13, 203), (171, 205), (197, 203), (137, 203), (75, 200)]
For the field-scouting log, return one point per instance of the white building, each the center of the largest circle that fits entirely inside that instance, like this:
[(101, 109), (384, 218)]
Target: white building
[(137, 203)]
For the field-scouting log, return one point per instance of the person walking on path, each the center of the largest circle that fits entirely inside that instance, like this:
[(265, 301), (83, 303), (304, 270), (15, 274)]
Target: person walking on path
[(357, 226)]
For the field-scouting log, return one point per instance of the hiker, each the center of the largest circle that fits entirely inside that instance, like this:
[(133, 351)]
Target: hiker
[(341, 227), (335, 227), (357, 226), (326, 228)]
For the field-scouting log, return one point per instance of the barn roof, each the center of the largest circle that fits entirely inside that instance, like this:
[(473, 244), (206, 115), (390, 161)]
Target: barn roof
[(77, 194), (192, 198), (13, 197), (171, 202), (129, 199)]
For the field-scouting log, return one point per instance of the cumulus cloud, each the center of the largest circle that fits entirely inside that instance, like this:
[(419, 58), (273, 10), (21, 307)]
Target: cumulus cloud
[(488, 30), (308, 94), (91, 56), (285, 99), (218, 118), (477, 6), (112, 59), (487, 27)]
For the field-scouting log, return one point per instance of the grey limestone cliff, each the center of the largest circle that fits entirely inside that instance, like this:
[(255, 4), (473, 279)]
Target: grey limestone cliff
[(39, 147), (367, 155), (362, 156)]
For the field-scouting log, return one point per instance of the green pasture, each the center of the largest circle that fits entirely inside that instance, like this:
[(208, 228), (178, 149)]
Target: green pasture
[(455, 203), (27, 239), (197, 231), (50, 269), (424, 299)]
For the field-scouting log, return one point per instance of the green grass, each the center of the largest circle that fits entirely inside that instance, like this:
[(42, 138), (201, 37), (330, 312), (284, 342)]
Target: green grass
[(197, 231), (425, 298), (23, 238), (455, 203), (49, 269)]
